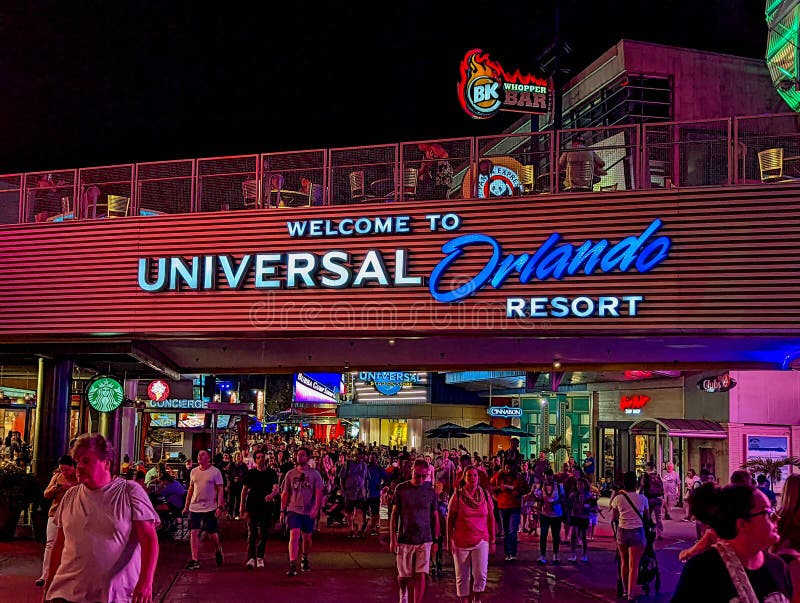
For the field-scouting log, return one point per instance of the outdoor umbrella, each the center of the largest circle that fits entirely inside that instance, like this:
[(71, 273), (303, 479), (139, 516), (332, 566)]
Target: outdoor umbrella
[(484, 428), (446, 429), (516, 432)]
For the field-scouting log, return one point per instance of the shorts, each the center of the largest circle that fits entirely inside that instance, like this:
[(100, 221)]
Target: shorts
[(351, 505), (374, 505), (593, 519), (296, 521), (206, 521), (413, 559), (630, 537)]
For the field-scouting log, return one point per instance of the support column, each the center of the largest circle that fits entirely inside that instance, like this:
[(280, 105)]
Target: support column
[(52, 435)]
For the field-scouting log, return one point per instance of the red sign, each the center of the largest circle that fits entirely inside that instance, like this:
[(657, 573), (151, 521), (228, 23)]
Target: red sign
[(633, 403), (486, 88), (158, 390)]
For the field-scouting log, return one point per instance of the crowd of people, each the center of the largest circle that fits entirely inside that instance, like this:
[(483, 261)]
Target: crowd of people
[(437, 501)]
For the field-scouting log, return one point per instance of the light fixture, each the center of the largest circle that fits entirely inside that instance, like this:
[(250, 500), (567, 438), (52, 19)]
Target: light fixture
[(556, 364), (392, 342)]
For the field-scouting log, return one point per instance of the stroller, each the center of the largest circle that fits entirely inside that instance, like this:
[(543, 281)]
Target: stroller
[(649, 572)]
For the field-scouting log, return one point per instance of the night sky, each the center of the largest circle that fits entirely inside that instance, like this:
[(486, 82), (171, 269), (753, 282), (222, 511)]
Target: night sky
[(99, 83)]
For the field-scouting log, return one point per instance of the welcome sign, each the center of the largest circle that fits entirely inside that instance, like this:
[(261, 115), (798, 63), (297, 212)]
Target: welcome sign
[(337, 268)]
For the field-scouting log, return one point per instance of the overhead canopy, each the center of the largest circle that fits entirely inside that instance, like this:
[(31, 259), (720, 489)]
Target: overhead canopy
[(682, 428)]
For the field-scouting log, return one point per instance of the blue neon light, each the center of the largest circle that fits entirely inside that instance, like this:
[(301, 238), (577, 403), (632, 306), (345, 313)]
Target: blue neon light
[(549, 261)]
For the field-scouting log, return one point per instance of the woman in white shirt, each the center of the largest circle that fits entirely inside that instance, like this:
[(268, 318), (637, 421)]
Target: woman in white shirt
[(628, 509)]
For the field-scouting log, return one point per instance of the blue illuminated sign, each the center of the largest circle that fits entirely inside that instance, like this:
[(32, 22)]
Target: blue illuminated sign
[(338, 269), (548, 261), (389, 383), (504, 411)]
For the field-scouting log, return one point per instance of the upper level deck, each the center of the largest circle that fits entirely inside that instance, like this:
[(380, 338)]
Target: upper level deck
[(707, 153)]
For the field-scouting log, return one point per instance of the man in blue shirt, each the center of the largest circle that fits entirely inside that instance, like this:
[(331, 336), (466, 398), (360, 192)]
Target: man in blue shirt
[(761, 480), (376, 479)]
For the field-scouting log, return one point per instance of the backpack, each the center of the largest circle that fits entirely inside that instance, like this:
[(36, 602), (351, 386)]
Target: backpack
[(655, 487), (355, 480)]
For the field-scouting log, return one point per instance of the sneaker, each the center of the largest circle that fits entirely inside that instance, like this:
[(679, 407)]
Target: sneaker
[(507, 558), (572, 558), (542, 560), (218, 557), (193, 565), (512, 557), (686, 520), (292, 570), (555, 559), (251, 564), (259, 563), (39, 582), (304, 564), (404, 596), (584, 559)]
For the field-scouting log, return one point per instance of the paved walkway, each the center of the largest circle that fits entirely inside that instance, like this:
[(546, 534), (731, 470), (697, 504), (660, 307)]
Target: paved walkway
[(361, 571)]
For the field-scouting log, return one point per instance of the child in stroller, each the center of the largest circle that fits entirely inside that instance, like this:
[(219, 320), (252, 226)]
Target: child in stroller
[(334, 509)]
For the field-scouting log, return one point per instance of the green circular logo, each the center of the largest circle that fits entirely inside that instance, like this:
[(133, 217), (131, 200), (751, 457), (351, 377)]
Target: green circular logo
[(105, 394)]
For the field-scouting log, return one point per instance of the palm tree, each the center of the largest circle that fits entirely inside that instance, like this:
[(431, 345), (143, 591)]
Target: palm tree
[(556, 444), (770, 467)]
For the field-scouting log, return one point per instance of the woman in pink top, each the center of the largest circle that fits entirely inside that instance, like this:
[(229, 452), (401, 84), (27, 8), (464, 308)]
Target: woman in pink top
[(470, 532)]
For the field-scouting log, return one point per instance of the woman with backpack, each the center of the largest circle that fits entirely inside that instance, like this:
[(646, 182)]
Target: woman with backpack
[(470, 535), (629, 509)]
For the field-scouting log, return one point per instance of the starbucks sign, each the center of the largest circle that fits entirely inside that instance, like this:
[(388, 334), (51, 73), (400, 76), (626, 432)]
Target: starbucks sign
[(105, 394)]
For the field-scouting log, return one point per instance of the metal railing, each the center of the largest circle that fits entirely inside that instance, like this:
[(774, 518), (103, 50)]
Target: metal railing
[(723, 152)]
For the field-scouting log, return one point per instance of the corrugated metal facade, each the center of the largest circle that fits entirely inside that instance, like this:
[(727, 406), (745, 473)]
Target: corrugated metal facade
[(732, 268)]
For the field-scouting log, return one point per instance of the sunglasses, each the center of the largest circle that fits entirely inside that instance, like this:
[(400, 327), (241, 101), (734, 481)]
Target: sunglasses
[(771, 514)]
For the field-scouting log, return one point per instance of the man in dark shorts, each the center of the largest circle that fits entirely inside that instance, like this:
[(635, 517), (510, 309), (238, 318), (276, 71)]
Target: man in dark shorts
[(259, 493), (413, 529), (301, 498), (205, 502), (377, 478)]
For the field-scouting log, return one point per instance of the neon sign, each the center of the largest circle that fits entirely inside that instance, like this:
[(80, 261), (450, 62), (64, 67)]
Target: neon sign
[(389, 383), (158, 390), (718, 384), (486, 88), (633, 405), (339, 269), (504, 411)]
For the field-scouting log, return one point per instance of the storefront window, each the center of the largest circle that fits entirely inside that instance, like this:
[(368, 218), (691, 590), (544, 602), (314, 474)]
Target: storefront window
[(608, 452), (394, 432), (12, 420)]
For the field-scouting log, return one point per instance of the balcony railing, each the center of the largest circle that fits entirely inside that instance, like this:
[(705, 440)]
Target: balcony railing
[(734, 151)]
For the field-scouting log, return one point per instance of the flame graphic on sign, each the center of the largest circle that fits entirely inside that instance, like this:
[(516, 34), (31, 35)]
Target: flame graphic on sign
[(477, 64)]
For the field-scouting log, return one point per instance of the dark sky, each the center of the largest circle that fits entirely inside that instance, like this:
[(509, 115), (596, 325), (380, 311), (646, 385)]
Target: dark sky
[(98, 83)]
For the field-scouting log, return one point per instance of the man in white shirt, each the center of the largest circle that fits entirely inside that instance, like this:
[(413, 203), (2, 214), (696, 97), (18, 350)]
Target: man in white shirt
[(672, 488), (205, 502)]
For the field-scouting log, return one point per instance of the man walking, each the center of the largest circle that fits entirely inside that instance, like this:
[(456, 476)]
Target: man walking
[(413, 528), (205, 502), (354, 484), (672, 488), (508, 490), (259, 492), (301, 498), (653, 488), (377, 478)]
